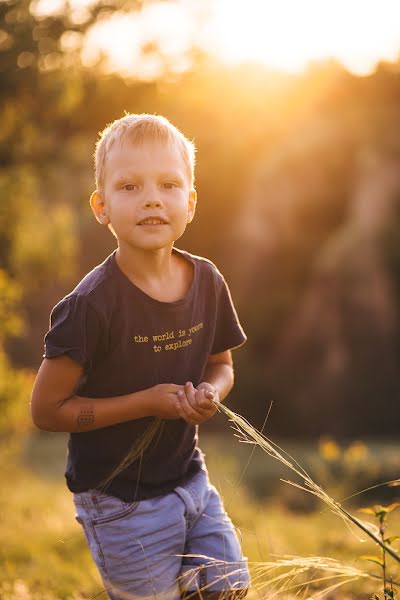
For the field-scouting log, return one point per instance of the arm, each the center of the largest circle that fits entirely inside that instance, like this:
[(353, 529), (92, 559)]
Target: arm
[(199, 405), (55, 407), (219, 374)]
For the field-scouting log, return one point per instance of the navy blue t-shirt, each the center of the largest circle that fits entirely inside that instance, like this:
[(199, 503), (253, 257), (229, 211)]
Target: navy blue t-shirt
[(127, 341)]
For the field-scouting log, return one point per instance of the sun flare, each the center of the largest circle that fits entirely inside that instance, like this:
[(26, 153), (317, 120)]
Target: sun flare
[(289, 34)]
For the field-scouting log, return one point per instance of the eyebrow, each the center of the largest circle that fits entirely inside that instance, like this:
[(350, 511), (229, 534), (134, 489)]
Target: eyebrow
[(171, 175), (176, 176)]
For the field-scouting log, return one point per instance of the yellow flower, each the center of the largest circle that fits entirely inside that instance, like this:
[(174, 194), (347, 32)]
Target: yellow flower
[(357, 452), (329, 449)]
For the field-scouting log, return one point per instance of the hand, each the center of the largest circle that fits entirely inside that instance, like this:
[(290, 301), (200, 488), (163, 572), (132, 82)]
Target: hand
[(210, 390), (164, 402), (197, 405)]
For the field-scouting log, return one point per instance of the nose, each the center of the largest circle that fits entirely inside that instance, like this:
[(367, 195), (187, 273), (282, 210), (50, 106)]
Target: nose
[(152, 202), (152, 197)]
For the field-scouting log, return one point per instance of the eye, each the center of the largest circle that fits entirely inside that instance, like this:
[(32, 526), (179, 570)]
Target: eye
[(169, 185), (129, 187)]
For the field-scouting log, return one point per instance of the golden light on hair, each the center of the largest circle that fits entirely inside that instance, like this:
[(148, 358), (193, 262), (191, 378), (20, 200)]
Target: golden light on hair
[(136, 128)]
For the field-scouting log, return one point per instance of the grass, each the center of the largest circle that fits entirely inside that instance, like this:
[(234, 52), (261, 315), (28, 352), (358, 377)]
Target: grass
[(43, 554)]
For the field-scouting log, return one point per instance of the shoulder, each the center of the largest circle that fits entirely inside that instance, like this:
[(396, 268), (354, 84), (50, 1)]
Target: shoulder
[(206, 268), (92, 291), (96, 281)]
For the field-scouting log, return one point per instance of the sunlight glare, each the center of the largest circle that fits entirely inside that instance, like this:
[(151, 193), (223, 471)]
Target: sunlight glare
[(289, 34)]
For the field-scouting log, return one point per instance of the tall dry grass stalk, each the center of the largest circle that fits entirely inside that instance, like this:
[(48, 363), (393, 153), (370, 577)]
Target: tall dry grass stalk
[(248, 434), (282, 575), (136, 452), (288, 576)]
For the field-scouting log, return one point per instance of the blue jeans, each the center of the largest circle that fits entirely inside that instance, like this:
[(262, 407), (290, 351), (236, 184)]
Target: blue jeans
[(164, 547)]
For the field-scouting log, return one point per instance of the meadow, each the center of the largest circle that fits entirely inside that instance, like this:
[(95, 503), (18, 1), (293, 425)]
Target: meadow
[(288, 535)]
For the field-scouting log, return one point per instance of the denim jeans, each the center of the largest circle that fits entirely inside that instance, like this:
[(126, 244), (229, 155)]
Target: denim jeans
[(163, 547)]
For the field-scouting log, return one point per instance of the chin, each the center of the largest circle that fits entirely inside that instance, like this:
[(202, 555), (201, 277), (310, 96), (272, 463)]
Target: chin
[(155, 246)]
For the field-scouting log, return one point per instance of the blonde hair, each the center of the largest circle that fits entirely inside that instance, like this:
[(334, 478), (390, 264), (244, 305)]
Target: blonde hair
[(137, 128)]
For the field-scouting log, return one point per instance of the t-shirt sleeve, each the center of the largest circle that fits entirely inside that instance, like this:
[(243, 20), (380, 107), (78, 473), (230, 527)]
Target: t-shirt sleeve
[(228, 330), (75, 331)]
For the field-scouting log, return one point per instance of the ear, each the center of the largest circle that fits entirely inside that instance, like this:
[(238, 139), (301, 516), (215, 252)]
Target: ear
[(192, 205), (98, 207)]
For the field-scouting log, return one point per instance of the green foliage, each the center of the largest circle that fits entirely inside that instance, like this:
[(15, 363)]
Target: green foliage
[(375, 559), (15, 385), (381, 513), (35, 237), (15, 388), (43, 552), (10, 294)]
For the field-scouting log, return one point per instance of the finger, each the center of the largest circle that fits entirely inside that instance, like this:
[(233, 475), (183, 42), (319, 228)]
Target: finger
[(204, 405), (193, 399), (203, 401), (190, 394), (182, 410), (206, 414), (179, 408), (210, 410), (190, 414), (174, 388), (209, 390)]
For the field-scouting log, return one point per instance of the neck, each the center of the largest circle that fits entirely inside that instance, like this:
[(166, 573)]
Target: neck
[(145, 265)]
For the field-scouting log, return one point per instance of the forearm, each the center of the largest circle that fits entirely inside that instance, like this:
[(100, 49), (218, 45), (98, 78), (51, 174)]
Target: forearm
[(80, 414), (220, 375)]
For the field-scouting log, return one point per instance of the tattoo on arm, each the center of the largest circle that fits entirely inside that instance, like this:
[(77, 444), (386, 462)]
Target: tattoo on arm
[(85, 417)]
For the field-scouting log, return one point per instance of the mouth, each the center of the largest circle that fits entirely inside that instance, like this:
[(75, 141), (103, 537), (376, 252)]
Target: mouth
[(152, 221)]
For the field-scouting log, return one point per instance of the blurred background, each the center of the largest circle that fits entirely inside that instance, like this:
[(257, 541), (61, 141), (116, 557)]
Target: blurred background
[(295, 111)]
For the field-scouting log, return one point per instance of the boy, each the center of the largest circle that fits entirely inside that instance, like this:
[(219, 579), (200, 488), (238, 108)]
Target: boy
[(135, 359)]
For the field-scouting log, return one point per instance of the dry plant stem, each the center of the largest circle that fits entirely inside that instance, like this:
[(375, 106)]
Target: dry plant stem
[(298, 566), (136, 451), (371, 487), (248, 433), (382, 534), (376, 539)]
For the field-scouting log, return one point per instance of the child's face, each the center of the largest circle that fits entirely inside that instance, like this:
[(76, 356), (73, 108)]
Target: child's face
[(144, 184)]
